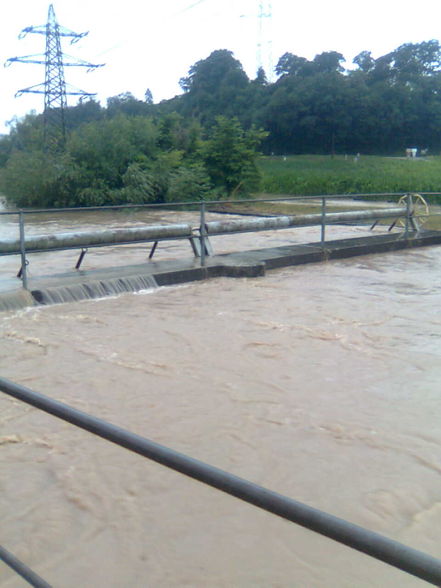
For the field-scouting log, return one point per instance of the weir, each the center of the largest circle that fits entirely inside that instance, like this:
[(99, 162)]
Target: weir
[(80, 285), (16, 299), (95, 289), (86, 239)]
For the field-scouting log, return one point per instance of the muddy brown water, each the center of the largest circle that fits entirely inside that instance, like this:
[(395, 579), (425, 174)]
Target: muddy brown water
[(321, 382)]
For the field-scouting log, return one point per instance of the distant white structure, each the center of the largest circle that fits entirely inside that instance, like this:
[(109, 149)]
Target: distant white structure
[(411, 152)]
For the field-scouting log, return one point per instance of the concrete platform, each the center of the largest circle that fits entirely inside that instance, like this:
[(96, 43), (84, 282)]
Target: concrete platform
[(83, 284)]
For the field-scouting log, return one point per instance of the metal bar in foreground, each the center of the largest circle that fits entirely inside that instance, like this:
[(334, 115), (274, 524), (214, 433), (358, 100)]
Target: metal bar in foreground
[(202, 232), (387, 550), (22, 570), (23, 274), (323, 223)]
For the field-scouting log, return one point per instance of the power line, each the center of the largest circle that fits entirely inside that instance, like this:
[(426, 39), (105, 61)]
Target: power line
[(164, 18), (189, 7)]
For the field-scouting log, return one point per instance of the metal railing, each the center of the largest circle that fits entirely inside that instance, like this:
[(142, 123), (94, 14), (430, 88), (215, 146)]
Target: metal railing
[(22, 569), (323, 219), (373, 544)]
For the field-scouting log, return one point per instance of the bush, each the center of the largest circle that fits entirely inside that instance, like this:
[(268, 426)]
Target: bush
[(188, 184)]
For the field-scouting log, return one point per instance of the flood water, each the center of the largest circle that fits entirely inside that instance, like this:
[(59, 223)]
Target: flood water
[(321, 382)]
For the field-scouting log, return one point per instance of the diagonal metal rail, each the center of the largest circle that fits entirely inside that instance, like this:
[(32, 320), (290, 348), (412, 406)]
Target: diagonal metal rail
[(22, 569), (396, 554)]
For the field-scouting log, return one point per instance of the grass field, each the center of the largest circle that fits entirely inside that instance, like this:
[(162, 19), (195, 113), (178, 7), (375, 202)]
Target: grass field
[(320, 174), (312, 175)]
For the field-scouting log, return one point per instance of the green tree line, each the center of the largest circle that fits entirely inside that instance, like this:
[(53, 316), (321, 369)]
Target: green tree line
[(379, 106), (204, 142)]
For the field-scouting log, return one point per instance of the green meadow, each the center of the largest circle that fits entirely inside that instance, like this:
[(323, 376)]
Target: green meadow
[(321, 174), (382, 178)]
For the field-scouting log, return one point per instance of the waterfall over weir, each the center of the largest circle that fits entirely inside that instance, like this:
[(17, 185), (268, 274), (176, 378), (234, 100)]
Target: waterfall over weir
[(15, 300), (96, 289)]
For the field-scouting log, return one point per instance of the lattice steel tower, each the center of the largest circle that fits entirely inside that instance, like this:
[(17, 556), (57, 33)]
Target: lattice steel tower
[(264, 38), (54, 87)]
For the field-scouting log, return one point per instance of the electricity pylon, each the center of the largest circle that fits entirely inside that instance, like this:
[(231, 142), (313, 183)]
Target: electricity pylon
[(54, 86), (264, 39)]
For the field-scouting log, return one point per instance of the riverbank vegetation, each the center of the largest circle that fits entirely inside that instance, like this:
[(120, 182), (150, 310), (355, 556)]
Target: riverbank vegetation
[(204, 143), (131, 159)]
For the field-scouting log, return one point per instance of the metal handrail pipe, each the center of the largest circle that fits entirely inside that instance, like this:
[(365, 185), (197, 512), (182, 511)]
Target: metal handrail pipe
[(382, 548), (210, 202), (22, 569), (301, 220), (81, 239)]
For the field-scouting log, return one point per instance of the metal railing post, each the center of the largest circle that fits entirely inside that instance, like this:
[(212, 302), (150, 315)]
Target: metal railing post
[(323, 223), (202, 233), (408, 211), (24, 275)]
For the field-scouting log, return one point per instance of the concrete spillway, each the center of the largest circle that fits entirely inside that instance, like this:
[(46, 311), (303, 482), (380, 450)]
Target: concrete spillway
[(75, 285), (89, 290)]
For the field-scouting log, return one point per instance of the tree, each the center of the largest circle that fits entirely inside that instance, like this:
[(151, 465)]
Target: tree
[(26, 134), (328, 62), (189, 183), (293, 65), (230, 156), (126, 103), (365, 61), (208, 74), (215, 86), (139, 185), (85, 111), (34, 178), (5, 149), (415, 60), (175, 132), (107, 147)]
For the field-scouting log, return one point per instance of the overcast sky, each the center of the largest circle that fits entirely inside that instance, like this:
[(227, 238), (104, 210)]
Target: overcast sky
[(153, 44)]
